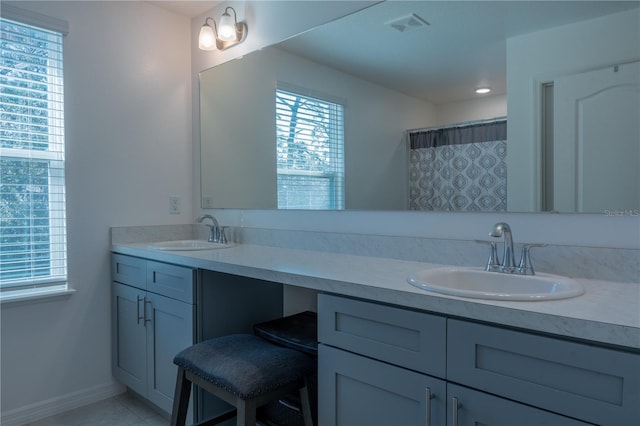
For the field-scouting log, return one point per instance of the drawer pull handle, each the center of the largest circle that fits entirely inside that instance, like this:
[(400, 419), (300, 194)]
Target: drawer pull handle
[(138, 300), (146, 320), (428, 397), (454, 406)]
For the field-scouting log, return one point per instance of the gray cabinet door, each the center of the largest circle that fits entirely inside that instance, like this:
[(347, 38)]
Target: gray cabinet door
[(129, 362), (169, 330), (354, 391), (468, 407), (148, 331)]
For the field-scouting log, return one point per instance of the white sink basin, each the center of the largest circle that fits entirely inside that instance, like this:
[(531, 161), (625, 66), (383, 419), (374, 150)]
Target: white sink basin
[(185, 245), (480, 284)]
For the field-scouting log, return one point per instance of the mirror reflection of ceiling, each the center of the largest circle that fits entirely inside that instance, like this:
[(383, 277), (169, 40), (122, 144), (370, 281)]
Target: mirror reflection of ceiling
[(461, 47)]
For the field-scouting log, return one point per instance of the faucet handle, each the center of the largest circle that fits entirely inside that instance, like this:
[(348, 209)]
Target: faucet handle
[(525, 267), (213, 234), (493, 263), (223, 236)]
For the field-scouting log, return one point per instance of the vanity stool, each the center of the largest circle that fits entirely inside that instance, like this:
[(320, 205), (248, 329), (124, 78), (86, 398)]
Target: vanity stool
[(299, 332), (248, 371)]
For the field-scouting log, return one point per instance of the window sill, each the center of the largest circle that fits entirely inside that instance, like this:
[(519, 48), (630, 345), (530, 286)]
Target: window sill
[(34, 295)]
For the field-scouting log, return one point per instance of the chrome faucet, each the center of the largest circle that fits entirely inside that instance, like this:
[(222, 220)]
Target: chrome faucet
[(508, 265), (214, 233), (502, 229)]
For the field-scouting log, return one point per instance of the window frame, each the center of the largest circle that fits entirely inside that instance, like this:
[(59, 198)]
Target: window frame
[(55, 283), (335, 132)]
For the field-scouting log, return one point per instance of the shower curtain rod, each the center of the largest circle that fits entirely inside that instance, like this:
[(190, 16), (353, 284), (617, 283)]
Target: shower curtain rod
[(462, 124)]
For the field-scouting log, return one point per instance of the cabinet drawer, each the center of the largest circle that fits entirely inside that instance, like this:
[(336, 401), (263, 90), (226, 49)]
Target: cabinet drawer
[(579, 380), (129, 270), (170, 280), (406, 338)]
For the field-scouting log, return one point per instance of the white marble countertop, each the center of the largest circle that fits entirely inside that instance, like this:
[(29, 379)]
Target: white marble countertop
[(608, 312)]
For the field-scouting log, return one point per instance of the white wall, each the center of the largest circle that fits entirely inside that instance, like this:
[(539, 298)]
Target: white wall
[(482, 108), (128, 133)]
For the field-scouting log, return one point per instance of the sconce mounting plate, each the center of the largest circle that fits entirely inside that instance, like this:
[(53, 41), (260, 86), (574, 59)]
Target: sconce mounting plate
[(241, 34)]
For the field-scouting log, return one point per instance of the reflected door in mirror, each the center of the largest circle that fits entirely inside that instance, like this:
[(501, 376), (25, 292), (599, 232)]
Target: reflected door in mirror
[(596, 140)]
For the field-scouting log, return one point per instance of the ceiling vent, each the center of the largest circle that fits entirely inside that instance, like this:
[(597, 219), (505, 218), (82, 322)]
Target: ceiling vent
[(407, 23)]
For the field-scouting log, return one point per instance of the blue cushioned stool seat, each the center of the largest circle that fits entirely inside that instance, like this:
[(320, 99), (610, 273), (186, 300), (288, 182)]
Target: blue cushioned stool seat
[(245, 365), (245, 371)]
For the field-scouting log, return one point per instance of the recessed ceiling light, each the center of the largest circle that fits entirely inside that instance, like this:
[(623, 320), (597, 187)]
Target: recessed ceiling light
[(483, 90)]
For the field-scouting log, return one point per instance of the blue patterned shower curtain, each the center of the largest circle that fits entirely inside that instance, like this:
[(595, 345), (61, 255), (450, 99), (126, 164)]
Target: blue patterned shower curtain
[(459, 168)]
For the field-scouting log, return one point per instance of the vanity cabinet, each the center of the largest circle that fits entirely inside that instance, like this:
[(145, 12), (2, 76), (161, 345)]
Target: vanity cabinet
[(153, 314), (381, 365), (158, 309)]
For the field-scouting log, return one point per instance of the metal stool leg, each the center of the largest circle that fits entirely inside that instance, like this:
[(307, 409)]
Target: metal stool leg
[(181, 399), (246, 412), (306, 406)]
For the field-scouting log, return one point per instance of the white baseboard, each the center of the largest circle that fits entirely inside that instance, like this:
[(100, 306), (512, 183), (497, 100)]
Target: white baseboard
[(60, 404)]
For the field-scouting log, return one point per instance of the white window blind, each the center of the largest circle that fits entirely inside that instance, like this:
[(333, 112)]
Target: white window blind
[(310, 152), (32, 183)]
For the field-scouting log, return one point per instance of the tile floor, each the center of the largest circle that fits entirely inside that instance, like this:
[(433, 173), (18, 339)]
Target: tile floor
[(122, 410)]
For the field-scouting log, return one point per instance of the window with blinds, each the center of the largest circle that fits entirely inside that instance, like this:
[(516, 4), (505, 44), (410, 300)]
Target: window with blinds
[(32, 183), (310, 152)]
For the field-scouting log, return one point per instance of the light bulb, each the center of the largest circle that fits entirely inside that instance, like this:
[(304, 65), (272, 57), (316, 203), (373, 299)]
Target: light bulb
[(207, 39), (227, 28)]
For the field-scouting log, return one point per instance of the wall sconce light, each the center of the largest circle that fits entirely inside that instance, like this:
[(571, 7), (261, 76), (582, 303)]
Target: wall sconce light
[(229, 32)]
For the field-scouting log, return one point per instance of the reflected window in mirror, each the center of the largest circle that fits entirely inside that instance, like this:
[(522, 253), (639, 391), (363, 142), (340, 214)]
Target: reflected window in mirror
[(310, 152)]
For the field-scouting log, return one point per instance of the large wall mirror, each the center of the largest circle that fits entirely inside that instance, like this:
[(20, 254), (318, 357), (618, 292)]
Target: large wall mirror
[(565, 77)]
